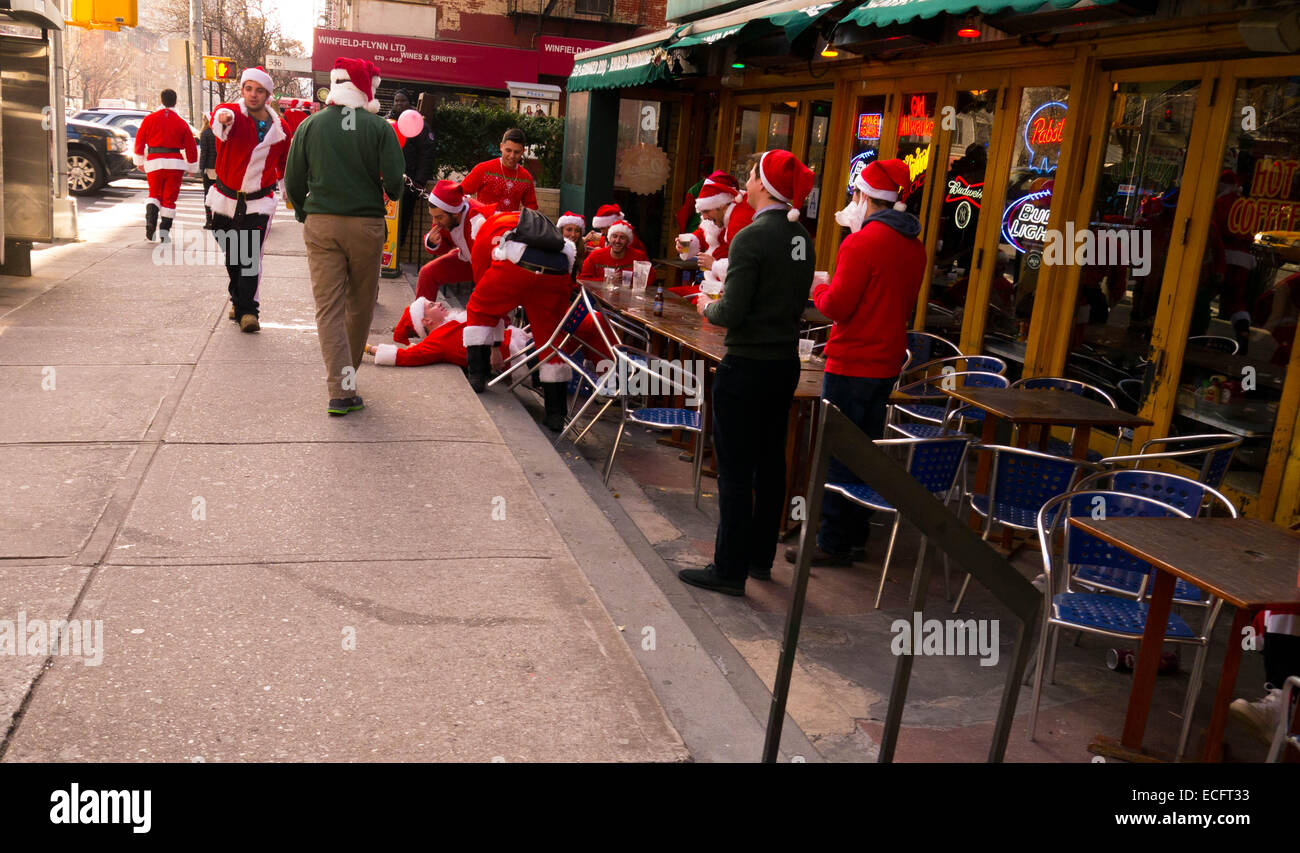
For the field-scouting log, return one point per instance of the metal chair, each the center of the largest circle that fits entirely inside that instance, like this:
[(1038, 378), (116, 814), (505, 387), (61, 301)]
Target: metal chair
[(563, 338), (1216, 448), (923, 346), (1096, 613), (1283, 734), (1074, 386), (1020, 482), (1215, 343), (934, 462), (933, 409), (1183, 494), (954, 364), (633, 366)]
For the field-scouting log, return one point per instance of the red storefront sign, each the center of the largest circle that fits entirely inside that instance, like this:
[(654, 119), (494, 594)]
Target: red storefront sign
[(423, 60), (555, 55)]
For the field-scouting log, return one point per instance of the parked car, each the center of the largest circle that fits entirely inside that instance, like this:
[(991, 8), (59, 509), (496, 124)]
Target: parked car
[(97, 154)]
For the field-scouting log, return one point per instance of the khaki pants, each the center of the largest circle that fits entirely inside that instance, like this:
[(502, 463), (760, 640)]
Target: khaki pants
[(343, 254)]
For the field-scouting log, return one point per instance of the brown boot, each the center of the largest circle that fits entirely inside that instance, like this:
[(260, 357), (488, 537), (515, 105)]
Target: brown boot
[(248, 323)]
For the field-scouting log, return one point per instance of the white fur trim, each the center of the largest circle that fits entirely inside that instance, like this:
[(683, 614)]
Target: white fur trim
[(458, 237), (344, 93), (620, 229), (477, 336), (713, 233), (259, 77), (555, 371), (475, 223), (499, 331), (166, 163), (457, 316), (518, 340), (386, 354), (150, 201), (509, 250), (221, 130), (693, 242), (442, 205), (602, 222), (570, 220), (713, 202), (417, 315), (720, 268), (792, 214), (167, 212), (571, 252), (900, 206)]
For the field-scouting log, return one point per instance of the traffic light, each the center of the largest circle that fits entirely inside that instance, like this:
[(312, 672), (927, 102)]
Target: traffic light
[(102, 14), (219, 69)]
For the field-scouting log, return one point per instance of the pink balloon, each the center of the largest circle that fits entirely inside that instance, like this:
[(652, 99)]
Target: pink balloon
[(410, 123)]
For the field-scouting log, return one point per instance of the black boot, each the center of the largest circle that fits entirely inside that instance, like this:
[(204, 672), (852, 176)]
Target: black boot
[(150, 221), (479, 367), (165, 229), (556, 395)]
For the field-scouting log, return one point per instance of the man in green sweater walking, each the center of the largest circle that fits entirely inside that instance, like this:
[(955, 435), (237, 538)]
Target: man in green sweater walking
[(343, 161), (770, 274)]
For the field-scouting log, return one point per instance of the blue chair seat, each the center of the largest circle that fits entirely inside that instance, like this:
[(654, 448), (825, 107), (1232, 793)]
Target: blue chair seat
[(1130, 581), (861, 494), (1056, 447), (1017, 516), (970, 413), (924, 411), (667, 418), (1108, 613), (912, 430)]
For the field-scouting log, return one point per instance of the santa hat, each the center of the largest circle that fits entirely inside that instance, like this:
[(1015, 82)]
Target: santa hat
[(719, 189), (621, 227), (259, 76), (606, 215), (887, 180), (570, 218), (786, 179), (352, 84), (448, 196), (1228, 182), (417, 315)]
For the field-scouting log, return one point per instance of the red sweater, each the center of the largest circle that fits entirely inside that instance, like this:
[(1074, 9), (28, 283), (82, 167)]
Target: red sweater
[(872, 298), (490, 184), (599, 259)]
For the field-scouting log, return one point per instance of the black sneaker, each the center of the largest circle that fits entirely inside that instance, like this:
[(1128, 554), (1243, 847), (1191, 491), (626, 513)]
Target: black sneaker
[(820, 557), (355, 404), (339, 405), (708, 578)]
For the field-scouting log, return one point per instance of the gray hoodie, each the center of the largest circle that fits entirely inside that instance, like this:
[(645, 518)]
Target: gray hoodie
[(900, 220)]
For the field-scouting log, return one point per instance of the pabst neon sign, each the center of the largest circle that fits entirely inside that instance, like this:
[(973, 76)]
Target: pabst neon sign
[(1045, 129)]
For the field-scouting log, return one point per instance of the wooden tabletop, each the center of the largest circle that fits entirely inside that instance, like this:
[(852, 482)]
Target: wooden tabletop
[(1247, 562), (689, 264), (1051, 406)]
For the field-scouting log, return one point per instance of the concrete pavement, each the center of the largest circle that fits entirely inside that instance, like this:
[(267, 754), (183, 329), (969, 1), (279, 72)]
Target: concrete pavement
[(272, 583)]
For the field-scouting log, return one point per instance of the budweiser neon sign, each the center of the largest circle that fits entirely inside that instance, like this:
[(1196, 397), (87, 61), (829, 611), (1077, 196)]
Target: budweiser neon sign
[(958, 189)]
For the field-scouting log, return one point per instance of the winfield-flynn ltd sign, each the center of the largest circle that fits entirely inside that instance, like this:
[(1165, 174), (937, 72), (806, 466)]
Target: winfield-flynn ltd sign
[(477, 65)]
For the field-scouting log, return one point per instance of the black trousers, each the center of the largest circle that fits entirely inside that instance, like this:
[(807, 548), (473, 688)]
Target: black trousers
[(405, 210), (865, 401), (751, 411), (242, 244)]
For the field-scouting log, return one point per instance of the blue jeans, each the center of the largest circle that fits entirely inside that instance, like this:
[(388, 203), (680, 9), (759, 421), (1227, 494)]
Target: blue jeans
[(844, 524)]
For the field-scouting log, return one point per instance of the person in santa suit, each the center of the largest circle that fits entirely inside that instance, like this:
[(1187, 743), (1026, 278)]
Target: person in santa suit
[(440, 332), (252, 147), (1238, 262), (508, 274), (456, 219), (571, 226), (620, 254), (171, 153), (606, 216), (723, 212), (503, 183), (870, 301)]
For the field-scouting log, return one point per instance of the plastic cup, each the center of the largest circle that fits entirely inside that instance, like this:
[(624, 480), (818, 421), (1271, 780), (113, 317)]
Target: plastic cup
[(805, 349), (627, 278), (640, 273), (611, 277)]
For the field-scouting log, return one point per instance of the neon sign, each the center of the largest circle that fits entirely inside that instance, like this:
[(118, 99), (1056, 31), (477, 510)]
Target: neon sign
[(856, 165), (1025, 219), (917, 122), (958, 190), (869, 125), (1043, 130)]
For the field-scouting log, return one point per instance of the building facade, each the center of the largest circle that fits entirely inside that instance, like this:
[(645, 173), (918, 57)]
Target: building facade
[(1106, 189)]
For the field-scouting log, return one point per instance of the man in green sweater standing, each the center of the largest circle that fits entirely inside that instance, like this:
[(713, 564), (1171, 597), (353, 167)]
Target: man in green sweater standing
[(770, 274), (343, 161)]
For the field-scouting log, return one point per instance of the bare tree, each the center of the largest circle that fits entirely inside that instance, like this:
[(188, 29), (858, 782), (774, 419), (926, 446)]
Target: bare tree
[(97, 61), (239, 29)]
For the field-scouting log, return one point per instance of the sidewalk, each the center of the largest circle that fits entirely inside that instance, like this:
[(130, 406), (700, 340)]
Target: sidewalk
[(275, 584)]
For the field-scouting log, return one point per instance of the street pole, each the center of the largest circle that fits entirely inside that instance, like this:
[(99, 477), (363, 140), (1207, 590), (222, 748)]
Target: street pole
[(196, 74)]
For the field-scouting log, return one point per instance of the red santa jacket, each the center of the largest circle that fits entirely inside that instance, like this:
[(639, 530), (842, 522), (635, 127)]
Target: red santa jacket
[(461, 236), (878, 275), (716, 240), (442, 345), (599, 259), (164, 129), (243, 163)]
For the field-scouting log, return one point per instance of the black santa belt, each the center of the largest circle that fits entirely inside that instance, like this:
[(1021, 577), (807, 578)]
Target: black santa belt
[(155, 150), (240, 197)]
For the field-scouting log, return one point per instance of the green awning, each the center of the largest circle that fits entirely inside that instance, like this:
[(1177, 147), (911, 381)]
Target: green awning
[(793, 21), (634, 66), (883, 13)]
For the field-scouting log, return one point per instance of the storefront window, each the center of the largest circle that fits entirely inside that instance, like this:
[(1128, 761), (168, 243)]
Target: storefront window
[(780, 127), (1127, 239), (818, 129), (744, 143), (1039, 131), (575, 138), (915, 130), (1248, 292), (867, 122), (965, 164)]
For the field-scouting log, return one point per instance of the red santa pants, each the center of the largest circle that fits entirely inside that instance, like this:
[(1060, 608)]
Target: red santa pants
[(545, 296), (445, 269), (164, 187)]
